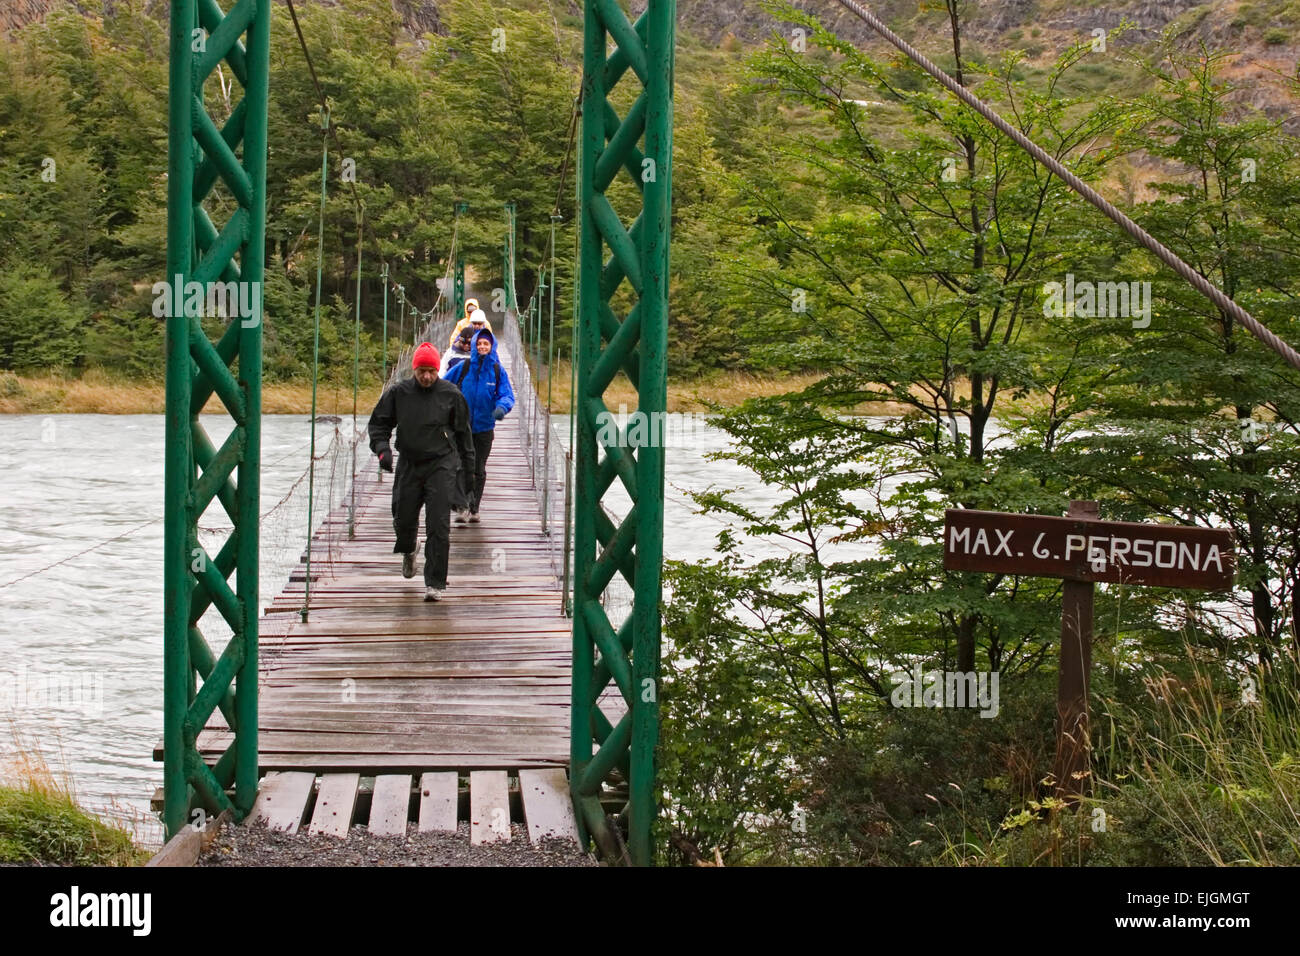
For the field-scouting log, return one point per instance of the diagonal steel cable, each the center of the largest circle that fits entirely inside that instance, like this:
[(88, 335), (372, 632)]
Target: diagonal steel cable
[(1165, 255)]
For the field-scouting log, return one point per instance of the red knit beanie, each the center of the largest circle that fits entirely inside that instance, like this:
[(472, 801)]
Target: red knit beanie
[(426, 356)]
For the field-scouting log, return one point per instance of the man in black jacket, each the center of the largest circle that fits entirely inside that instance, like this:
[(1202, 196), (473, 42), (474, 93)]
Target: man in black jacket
[(435, 443)]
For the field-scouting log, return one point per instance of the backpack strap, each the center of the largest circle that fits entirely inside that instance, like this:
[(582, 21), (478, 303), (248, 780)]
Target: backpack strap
[(496, 373)]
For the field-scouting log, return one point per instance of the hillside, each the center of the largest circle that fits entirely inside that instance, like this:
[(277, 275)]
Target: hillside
[(1264, 31), (1250, 24)]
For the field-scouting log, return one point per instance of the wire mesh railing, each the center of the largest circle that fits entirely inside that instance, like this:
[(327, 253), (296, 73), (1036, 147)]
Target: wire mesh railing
[(549, 465)]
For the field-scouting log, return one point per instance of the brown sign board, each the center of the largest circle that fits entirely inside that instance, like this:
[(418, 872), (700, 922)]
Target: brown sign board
[(1113, 552)]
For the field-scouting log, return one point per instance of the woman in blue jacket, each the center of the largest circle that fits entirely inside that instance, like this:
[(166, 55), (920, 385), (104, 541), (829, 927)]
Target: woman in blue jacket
[(486, 386)]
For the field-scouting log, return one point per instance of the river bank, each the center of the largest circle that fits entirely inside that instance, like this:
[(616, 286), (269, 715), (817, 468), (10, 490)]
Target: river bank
[(43, 824), (97, 393)]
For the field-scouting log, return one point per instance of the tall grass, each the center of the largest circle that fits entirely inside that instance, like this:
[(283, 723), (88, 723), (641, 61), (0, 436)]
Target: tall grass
[(40, 822), (1196, 768), (1207, 772), (97, 392)]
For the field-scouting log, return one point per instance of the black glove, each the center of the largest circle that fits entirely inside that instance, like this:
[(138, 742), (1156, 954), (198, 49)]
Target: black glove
[(498, 413), (386, 458)]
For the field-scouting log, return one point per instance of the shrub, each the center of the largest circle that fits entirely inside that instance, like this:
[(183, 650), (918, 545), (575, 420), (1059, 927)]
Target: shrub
[(37, 323), (41, 823), (1208, 777)]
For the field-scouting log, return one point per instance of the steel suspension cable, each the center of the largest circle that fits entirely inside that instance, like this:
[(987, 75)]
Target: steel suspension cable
[(568, 150), (315, 357), (550, 376), (573, 418), (1165, 255), (401, 330), (384, 349), (356, 385), (320, 95), (362, 226)]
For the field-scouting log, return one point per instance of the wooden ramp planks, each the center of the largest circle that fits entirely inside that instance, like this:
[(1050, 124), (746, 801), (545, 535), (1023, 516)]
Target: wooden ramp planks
[(439, 799), (378, 682), (391, 805), (547, 811), (489, 807), (282, 799), (335, 804)]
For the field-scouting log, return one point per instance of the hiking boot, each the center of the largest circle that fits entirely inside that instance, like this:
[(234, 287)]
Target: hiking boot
[(433, 594), (473, 517), (408, 564)]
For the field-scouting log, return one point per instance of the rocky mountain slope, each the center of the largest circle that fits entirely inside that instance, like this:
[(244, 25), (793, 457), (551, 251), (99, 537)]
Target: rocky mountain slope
[(989, 20), (1263, 31)]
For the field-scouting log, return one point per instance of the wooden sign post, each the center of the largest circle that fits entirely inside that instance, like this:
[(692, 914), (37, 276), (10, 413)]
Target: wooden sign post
[(1083, 550)]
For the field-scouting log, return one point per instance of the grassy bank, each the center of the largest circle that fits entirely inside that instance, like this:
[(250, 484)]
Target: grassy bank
[(97, 393), (684, 395), (41, 824)]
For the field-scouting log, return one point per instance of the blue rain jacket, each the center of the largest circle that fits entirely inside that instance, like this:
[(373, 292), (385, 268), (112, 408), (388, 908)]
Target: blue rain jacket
[(484, 384)]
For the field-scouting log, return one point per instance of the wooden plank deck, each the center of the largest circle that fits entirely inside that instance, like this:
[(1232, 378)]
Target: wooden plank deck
[(379, 682), (485, 806)]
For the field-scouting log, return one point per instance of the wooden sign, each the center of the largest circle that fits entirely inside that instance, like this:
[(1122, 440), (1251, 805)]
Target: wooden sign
[(1084, 551), (1107, 552)]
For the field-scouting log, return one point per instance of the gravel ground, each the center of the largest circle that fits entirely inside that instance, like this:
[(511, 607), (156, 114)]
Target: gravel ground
[(258, 846)]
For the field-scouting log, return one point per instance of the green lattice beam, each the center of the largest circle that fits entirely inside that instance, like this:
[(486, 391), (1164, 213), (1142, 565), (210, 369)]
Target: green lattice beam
[(196, 682), (638, 145)]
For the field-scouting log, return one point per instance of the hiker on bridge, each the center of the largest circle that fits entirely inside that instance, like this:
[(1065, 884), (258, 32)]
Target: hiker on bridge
[(474, 320), (434, 439), (459, 351), (486, 386), (464, 333)]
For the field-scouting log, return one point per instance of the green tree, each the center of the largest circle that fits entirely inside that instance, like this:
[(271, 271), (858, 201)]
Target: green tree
[(37, 324), (1200, 419), (917, 246)]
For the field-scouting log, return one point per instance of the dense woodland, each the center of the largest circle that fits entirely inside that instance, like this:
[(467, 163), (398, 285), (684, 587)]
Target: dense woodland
[(835, 213)]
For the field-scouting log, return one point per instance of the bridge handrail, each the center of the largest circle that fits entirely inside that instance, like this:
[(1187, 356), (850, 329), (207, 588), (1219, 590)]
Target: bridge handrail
[(550, 466)]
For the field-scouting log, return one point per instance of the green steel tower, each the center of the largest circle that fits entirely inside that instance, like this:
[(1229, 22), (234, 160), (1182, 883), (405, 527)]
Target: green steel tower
[(205, 260), (458, 289), (508, 272), (641, 144), (458, 281)]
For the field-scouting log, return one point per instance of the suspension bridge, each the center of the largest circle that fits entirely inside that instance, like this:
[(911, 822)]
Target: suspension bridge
[(360, 678), (531, 671)]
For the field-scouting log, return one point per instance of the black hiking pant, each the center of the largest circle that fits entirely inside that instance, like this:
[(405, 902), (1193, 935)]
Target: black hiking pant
[(482, 448), (430, 485)]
